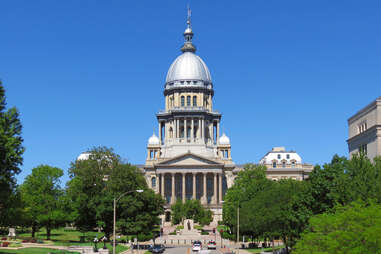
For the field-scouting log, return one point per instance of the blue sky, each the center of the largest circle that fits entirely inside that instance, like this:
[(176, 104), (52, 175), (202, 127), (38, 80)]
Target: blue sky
[(286, 73)]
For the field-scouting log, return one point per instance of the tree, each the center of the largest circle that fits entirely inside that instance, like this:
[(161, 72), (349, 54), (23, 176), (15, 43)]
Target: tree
[(249, 182), (191, 209), (343, 181), (327, 184), (94, 184), (11, 151), (42, 197), (355, 228)]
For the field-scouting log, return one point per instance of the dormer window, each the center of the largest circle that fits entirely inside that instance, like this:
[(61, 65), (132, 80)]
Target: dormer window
[(288, 156), (278, 156)]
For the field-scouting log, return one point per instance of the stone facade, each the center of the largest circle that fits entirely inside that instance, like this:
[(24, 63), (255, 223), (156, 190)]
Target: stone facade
[(364, 129)]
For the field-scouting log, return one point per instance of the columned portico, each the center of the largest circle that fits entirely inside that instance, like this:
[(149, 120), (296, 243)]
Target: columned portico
[(180, 179)]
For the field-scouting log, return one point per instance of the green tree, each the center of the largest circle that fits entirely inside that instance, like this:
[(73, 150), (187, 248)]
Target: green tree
[(11, 151), (249, 182), (94, 184), (328, 185), (42, 198), (355, 228), (191, 209)]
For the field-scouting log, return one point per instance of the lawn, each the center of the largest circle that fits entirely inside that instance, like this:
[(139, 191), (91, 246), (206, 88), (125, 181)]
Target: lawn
[(35, 251), (259, 250), (69, 237)]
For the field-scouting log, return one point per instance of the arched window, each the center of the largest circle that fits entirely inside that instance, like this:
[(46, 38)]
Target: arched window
[(188, 101), (182, 101), (283, 164), (274, 164), (194, 101), (170, 132), (293, 164), (153, 182)]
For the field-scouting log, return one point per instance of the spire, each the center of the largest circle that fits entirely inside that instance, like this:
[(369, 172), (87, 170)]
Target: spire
[(188, 35)]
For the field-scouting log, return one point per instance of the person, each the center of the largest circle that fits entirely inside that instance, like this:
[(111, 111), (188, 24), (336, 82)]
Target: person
[(104, 239), (189, 227), (95, 244)]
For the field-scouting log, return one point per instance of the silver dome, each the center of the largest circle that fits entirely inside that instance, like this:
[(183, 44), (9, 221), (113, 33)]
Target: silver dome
[(188, 66)]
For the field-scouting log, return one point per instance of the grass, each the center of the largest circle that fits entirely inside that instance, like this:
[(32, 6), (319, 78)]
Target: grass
[(259, 250), (69, 237), (198, 227), (35, 251)]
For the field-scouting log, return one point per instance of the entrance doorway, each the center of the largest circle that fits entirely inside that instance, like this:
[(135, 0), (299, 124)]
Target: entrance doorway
[(167, 216)]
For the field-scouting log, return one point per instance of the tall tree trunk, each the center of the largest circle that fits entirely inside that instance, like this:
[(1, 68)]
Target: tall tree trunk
[(48, 229), (272, 243), (33, 229)]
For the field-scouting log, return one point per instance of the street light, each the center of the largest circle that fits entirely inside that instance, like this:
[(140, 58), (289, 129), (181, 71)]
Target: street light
[(116, 200)]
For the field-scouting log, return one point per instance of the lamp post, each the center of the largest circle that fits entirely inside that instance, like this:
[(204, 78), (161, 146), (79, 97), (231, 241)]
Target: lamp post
[(116, 200)]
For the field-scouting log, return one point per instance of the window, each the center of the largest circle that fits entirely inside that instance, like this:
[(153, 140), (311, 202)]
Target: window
[(182, 101), (153, 182), (362, 127), (278, 156), (170, 132), (288, 156), (188, 101), (293, 164), (194, 101), (363, 149), (274, 164), (283, 164)]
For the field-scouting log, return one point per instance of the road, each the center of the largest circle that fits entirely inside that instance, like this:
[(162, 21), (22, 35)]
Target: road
[(184, 250)]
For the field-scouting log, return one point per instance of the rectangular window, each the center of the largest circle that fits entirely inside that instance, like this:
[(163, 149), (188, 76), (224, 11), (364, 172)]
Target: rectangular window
[(194, 101), (182, 101), (188, 101), (363, 149)]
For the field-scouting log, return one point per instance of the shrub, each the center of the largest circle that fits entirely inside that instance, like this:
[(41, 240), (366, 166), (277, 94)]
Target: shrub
[(203, 232), (172, 233)]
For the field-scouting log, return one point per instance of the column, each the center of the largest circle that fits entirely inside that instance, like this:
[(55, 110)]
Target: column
[(184, 178), (199, 128), (220, 188), (160, 132), (185, 129), (204, 195), (173, 198), (177, 128), (215, 189), (202, 129), (194, 186), (192, 130), (162, 177), (218, 130)]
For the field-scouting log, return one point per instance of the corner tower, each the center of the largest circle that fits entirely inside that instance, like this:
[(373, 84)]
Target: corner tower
[(188, 159)]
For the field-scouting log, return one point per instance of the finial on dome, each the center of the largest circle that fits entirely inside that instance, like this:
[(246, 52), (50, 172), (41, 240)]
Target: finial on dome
[(188, 35)]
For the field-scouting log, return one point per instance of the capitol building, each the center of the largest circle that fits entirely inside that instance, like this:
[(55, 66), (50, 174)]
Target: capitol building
[(189, 158)]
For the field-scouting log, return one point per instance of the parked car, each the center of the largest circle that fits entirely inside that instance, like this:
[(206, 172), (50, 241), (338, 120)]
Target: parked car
[(157, 248), (197, 246), (212, 245)]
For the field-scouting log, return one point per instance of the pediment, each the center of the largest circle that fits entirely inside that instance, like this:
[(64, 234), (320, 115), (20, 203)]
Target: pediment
[(188, 159)]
